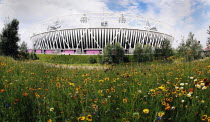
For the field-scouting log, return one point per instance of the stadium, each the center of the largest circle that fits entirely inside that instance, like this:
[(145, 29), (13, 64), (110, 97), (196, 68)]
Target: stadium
[(90, 33)]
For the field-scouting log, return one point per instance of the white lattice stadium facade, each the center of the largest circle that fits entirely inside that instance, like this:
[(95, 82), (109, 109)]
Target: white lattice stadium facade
[(92, 39), (84, 40)]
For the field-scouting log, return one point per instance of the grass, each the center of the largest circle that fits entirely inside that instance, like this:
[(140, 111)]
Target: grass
[(131, 92)]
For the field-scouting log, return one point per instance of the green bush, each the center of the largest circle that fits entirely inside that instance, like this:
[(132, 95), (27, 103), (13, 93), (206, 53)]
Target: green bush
[(92, 60)]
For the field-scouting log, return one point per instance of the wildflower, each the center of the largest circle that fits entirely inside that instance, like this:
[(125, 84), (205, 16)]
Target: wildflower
[(202, 101), (89, 118), (2, 90), (107, 91), (6, 105), (124, 90), (125, 100), (52, 109), (159, 118), (95, 106), (197, 86), (161, 113), (202, 84), (50, 120), (136, 115), (204, 87), (71, 84), (25, 94), (139, 91), (58, 84), (107, 78), (17, 100), (208, 119), (191, 90), (191, 78), (186, 83), (204, 117), (113, 90), (101, 81), (81, 118), (181, 88), (168, 107), (195, 80), (183, 101), (181, 84), (100, 91), (188, 95), (172, 107), (146, 111), (37, 95)]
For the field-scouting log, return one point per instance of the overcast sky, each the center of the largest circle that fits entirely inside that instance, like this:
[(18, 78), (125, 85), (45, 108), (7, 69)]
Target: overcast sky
[(184, 16)]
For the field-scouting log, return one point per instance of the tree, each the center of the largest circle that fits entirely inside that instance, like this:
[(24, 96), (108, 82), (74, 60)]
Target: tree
[(9, 39), (208, 32), (166, 49), (137, 53), (147, 53), (191, 49), (23, 53), (113, 54), (107, 54), (118, 53)]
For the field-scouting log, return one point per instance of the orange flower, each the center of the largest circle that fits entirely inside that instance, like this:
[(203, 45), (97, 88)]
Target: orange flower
[(2, 90), (25, 94)]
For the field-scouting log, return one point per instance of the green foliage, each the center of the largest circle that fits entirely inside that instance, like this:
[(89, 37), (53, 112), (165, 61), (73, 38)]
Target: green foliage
[(208, 32), (138, 53), (143, 54), (23, 51), (113, 54), (147, 53), (33, 56), (191, 49), (164, 51), (92, 60), (9, 39)]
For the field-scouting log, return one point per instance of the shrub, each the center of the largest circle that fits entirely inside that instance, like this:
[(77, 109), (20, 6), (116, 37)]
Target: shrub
[(92, 60)]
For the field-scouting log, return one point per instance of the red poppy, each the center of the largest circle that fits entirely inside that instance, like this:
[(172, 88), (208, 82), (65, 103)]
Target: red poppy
[(190, 89)]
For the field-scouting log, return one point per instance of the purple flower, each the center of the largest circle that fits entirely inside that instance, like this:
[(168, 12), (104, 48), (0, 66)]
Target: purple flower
[(6, 105)]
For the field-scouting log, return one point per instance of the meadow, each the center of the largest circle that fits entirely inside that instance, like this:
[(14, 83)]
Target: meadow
[(152, 91)]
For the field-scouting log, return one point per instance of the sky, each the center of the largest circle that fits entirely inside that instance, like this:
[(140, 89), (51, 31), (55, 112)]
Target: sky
[(183, 16)]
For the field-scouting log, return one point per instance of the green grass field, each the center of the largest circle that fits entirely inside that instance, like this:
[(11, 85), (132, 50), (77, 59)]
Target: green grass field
[(154, 91)]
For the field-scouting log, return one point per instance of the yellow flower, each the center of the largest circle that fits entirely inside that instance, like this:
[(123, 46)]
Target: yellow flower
[(136, 115), (146, 111), (81, 118), (89, 118), (50, 120), (37, 95), (71, 84), (161, 113), (208, 119), (58, 84), (204, 117), (125, 100), (51, 109)]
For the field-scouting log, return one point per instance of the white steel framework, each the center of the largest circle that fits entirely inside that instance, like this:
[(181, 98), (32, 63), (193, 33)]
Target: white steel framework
[(97, 38)]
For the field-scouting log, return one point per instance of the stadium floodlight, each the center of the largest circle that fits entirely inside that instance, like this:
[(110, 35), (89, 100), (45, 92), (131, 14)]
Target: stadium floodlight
[(83, 19), (122, 19)]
